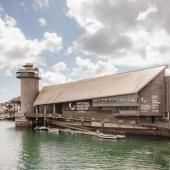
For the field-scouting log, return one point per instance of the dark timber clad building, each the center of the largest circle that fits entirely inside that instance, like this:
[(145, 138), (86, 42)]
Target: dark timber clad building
[(131, 97)]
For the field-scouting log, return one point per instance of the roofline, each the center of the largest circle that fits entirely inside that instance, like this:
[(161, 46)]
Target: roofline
[(151, 79), (136, 92), (93, 78)]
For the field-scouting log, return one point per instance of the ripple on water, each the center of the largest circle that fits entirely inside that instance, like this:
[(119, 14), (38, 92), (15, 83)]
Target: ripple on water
[(24, 149)]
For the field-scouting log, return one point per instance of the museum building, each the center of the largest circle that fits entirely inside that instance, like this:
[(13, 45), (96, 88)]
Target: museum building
[(133, 97)]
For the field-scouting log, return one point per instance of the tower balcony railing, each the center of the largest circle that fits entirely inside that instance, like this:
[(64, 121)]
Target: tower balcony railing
[(27, 75)]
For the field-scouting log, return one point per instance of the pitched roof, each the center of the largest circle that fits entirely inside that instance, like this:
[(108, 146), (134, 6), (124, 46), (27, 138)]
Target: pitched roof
[(111, 85)]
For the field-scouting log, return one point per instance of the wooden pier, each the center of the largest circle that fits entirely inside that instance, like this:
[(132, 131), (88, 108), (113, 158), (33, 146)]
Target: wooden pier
[(161, 128), (75, 123)]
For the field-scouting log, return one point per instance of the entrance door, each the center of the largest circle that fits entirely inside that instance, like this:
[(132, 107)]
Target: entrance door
[(58, 108), (152, 119)]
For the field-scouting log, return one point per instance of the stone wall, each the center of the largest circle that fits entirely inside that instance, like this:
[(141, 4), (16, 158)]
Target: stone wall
[(29, 92)]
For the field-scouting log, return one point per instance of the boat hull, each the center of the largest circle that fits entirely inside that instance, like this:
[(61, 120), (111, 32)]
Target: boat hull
[(105, 136)]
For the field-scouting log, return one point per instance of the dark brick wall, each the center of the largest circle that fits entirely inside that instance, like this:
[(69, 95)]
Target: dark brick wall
[(152, 97)]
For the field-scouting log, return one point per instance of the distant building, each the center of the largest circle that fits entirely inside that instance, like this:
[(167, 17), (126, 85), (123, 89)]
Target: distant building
[(131, 97), (15, 105), (2, 108), (10, 108)]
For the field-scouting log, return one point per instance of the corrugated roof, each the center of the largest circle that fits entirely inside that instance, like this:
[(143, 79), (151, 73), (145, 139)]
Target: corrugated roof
[(112, 85)]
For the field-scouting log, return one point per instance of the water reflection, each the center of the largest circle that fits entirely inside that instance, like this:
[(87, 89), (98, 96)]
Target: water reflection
[(25, 149), (30, 155), (10, 142)]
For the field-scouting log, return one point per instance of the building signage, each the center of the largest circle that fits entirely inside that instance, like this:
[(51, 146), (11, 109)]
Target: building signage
[(155, 104), (79, 106), (116, 101), (82, 105), (71, 106), (151, 106), (145, 107)]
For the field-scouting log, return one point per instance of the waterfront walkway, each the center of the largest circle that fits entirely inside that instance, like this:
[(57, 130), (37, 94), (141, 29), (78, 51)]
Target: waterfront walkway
[(154, 129), (160, 124)]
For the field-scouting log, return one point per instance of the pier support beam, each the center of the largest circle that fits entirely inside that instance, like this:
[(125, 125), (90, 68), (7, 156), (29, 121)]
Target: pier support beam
[(168, 115), (36, 109), (45, 109), (54, 111), (45, 121)]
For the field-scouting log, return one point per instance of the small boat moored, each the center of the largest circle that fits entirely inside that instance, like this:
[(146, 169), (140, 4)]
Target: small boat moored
[(41, 128), (54, 131), (111, 136), (106, 136), (121, 136)]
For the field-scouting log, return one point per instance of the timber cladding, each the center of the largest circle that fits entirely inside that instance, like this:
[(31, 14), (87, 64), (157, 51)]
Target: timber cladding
[(167, 93), (152, 96), (106, 86), (116, 96)]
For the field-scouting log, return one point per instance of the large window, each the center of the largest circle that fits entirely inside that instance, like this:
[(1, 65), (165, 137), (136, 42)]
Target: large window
[(58, 108), (41, 109), (49, 108)]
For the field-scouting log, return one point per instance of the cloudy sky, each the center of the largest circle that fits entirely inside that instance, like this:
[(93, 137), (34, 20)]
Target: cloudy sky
[(75, 39)]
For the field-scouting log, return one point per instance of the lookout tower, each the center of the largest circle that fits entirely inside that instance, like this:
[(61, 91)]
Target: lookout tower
[(29, 76)]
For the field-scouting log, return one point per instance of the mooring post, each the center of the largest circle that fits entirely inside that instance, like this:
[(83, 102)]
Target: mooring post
[(54, 109), (36, 120), (103, 125), (44, 121), (82, 121)]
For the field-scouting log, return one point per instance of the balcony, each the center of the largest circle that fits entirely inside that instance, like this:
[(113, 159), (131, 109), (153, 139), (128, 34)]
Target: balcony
[(27, 75)]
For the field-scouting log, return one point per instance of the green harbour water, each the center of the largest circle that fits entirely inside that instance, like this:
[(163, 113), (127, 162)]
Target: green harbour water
[(27, 150)]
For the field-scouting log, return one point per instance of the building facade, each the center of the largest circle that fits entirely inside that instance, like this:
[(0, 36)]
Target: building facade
[(10, 108), (132, 97), (29, 78)]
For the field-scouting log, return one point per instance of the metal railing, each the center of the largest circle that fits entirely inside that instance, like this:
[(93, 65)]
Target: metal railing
[(164, 124), (158, 124), (37, 115)]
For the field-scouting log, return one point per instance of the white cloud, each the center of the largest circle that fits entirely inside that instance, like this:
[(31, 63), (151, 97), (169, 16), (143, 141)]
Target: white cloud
[(40, 4), (16, 49), (55, 75), (150, 48), (84, 68), (110, 20), (78, 10), (127, 32), (52, 42), (42, 22), (144, 14)]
